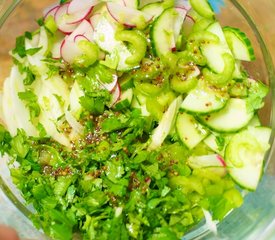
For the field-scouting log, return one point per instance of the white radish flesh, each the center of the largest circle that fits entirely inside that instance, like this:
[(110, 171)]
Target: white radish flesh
[(111, 86), (61, 19), (80, 5), (50, 11), (115, 95), (128, 16)]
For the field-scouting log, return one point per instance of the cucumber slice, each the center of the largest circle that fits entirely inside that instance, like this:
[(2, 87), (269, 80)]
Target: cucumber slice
[(203, 8), (239, 44), (139, 102), (189, 130), (245, 154), (154, 9), (231, 118), (162, 32), (203, 100), (216, 29), (216, 142), (125, 100), (165, 125), (214, 53)]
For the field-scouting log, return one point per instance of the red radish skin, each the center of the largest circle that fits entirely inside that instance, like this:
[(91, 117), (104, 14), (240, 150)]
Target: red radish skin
[(84, 28), (61, 21), (79, 16), (126, 16), (80, 5), (80, 37), (111, 86), (221, 160), (190, 18), (69, 49), (213, 161), (182, 11), (51, 11), (116, 93), (183, 3), (56, 53)]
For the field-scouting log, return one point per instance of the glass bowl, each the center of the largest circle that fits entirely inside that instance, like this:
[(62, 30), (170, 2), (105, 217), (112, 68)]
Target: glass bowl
[(256, 218)]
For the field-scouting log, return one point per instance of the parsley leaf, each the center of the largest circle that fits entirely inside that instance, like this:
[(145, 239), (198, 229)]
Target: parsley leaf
[(256, 94), (31, 102), (20, 47), (32, 51), (220, 141)]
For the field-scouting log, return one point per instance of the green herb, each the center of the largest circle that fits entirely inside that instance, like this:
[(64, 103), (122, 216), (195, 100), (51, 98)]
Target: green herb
[(32, 51), (20, 47), (220, 141), (256, 94), (31, 102), (30, 77), (28, 35)]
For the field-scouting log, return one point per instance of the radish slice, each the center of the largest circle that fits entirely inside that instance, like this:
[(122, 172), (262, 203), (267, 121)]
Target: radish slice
[(70, 50), (78, 16), (127, 16), (84, 29), (80, 37), (131, 3), (81, 5), (95, 19), (61, 19), (111, 86), (179, 21), (115, 95), (50, 11), (213, 161), (183, 4)]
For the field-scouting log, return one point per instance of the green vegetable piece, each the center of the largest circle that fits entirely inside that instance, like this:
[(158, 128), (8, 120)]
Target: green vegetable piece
[(201, 37), (201, 24), (31, 102), (164, 233), (203, 8), (256, 93), (62, 184), (50, 24), (148, 89), (90, 54), (221, 79), (19, 144), (239, 44), (239, 90), (20, 47), (182, 83), (48, 155), (187, 185), (138, 42)]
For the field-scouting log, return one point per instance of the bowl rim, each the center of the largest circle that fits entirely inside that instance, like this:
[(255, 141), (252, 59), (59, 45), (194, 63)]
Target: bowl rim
[(203, 230)]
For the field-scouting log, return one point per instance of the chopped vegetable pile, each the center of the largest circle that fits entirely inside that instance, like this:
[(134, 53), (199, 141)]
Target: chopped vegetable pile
[(132, 119)]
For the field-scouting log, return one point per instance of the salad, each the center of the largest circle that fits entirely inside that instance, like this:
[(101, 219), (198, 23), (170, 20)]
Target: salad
[(132, 119)]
